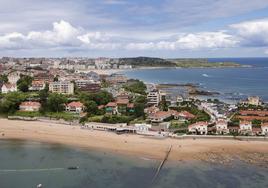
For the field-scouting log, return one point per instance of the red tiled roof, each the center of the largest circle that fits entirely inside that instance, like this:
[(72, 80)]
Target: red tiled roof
[(264, 124), (161, 114), (130, 105), (200, 123), (122, 101), (187, 114), (250, 118), (254, 112), (75, 104), (30, 103), (111, 104)]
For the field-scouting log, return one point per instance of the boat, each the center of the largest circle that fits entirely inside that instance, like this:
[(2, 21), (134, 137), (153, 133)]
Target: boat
[(73, 167), (39, 185)]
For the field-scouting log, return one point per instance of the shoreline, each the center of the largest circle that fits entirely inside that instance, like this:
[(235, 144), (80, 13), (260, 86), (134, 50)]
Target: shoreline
[(215, 151)]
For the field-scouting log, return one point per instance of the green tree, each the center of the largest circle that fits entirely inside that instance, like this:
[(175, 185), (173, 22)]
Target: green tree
[(3, 78), (24, 83), (55, 102), (91, 107), (43, 95), (10, 103), (135, 86)]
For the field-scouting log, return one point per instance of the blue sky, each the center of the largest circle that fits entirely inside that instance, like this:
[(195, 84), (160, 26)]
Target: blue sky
[(125, 28)]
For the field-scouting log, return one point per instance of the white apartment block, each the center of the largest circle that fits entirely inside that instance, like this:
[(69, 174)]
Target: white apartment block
[(153, 98), (63, 87)]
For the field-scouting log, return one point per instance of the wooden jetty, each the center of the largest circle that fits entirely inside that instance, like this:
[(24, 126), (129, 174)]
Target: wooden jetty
[(162, 164)]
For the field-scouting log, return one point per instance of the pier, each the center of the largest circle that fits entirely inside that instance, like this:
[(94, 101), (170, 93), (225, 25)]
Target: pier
[(162, 164)]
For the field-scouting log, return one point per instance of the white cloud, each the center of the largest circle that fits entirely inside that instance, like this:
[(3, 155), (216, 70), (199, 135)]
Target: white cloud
[(253, 33), (266, 51)]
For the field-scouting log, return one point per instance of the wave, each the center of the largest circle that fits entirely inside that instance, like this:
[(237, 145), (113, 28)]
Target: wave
[(206, 75), (31, 170)]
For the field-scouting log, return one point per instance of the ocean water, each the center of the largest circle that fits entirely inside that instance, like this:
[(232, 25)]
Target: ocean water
[(25, 164), (232, 83)]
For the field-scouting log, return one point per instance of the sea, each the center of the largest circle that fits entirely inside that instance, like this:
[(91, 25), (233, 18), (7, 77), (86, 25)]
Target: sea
[(25, 164), (233, 84)]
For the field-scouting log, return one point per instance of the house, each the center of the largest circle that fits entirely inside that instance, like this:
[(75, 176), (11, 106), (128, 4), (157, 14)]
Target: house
[(63, 87), (256, 130), (76, 107), (222, 127), (245, 127), (122, 105), (111, 108), (37, 85), (233, 129), (264, 129), (30, 106), (151, 110), (183, 115), (198, 128), (6, 88), (159, 116)]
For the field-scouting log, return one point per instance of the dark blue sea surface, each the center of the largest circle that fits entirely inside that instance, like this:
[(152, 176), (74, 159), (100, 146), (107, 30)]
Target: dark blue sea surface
[(232, 83), (25, 164)]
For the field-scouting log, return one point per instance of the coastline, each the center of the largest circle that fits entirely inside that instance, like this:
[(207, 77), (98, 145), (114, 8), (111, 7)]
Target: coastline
[(218, 151)]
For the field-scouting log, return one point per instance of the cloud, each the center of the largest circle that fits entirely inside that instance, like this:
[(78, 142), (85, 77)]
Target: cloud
[(253, 33), (191, 41)]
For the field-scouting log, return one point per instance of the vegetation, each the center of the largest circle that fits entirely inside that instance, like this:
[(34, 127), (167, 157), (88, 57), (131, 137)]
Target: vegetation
[(3, 78), (10, 102), (55, 102), (116, 119), (135, 86), (24, 83), (184, 63)]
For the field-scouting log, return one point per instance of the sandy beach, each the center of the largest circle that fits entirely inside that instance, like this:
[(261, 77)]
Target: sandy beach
[(135, 145)]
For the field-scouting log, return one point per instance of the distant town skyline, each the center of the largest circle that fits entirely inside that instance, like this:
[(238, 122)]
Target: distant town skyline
[(129, 28)]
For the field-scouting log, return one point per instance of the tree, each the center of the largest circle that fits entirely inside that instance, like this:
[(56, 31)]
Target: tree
[(43, 95), (55, 102), (3, 78), (24, 83), (91, 107), (136, 86), (10, 103)]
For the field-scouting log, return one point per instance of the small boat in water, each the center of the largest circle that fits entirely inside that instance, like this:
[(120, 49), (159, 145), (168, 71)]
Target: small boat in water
[(73, 167), (39, 185)]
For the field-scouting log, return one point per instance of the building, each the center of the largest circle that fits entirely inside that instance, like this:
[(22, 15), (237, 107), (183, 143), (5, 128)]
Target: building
[(13, 77), (253, 100), (183, 115), (111, 108), (76, 107), (151, 110), (198, 128), (63, 87), (37, 85), (91, 87), (142, 127), (159, 116), (121, 106), (153, 98), (30, 106), (264, 129), (222, 127), (245, 127), (6, 88)]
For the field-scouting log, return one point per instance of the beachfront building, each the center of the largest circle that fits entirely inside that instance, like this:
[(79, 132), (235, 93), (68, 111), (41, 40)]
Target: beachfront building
[(121, 106), (63, 87), (182, 116), (159, 116), (198, 128), (30, 106), (37, 85), (8, 87), (142, 127), (253, 100), (153, 98), (222, 127), (245, 127), (75, 107), (264, 129)]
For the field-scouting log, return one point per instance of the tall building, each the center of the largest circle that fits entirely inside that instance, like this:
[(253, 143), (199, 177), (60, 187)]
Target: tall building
[(153, 97), (63, 87)]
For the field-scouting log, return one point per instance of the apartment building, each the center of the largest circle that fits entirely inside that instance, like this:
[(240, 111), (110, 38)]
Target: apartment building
[(62, 87)]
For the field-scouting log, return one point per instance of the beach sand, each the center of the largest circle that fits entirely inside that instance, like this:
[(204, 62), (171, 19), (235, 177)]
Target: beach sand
[(134, 145)]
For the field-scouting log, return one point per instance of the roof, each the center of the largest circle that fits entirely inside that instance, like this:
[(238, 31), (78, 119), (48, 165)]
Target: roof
[(256, 129), (160, 114), (221, 121), (38, 82), (264, 124), (122, 101), (254, 112), (30, 103), (245, 122), (75, 104), (9, 86), (187, 114), (111, 104), (200, 123), (130, 105)]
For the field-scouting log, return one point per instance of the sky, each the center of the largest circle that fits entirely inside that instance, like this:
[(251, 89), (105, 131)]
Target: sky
[(130, 28)]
